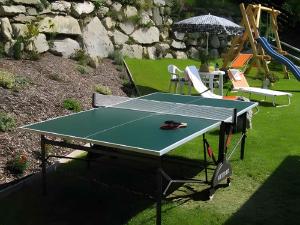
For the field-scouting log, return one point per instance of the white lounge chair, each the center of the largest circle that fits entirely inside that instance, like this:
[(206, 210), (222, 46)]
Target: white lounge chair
[(240, 83), (195, 79)]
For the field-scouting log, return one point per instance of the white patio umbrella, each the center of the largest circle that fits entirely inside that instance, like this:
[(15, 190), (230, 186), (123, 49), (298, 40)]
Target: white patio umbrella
[(208, 24)]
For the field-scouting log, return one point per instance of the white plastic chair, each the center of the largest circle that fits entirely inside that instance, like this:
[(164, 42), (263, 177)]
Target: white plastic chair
[(177, 79)]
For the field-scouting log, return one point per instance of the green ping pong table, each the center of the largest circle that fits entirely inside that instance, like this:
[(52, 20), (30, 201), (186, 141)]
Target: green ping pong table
[(132, 128)]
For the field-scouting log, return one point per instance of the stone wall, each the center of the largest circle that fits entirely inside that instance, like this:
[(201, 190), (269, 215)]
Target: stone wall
[(100, 27)]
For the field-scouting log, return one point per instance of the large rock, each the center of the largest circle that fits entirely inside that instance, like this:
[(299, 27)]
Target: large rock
[(146, 35), (159, 2), (151, 53), (214, 41), (127, 27), (6, 29), (65, 47), (61, 6), (96, 40), (21, 18), (108, 23), (61, 25), (132, 51), (179, 36), (194, 53), (157, 17), (102, 11), (119, 37), (180, 55), (4, 2), (11, 10), (130, 11), (41, 44), (32, 11), (116, 7), (27, 2), (214, 53), (178, 45), (145, 19), (19, 29), (84, 8), (169, 56)]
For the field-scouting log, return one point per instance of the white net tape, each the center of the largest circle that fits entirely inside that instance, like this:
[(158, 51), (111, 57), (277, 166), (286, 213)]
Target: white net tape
[(190, 110)]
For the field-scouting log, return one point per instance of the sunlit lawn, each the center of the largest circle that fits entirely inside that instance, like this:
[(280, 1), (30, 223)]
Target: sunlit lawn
[(264, 190)]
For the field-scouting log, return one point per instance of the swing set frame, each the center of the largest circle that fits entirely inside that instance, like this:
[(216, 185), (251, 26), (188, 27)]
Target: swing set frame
[(251, 18)]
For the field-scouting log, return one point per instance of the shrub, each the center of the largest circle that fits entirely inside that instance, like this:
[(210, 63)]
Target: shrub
[(134, 19), (7, 80), (55, 77), (103, 89), (18, 48), (144, 5), (81, 56), (98, 3), (117, 57), (2, 50), (17, 165), (72, 104), (82, 69), (7, 122)]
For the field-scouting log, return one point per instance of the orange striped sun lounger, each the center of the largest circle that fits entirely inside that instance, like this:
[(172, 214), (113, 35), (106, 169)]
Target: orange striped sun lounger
[(241, 60)]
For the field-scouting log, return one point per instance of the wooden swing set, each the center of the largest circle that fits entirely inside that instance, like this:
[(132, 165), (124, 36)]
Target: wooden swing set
[(251, 20)]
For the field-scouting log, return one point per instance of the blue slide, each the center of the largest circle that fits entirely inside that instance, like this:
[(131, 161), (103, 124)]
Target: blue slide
[(280, 58)]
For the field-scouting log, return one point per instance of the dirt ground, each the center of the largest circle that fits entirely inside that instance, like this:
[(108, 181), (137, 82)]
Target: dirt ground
[(50, 81)]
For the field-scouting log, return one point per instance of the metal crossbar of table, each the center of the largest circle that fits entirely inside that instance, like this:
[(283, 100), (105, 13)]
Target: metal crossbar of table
[(131, 128)]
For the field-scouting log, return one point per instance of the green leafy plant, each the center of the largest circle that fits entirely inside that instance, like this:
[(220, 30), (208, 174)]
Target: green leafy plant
[(18, 48), (55, 77), (82, 69), (7, 80), (72, 104), (144, 5), (98, 3), (136, 19), (7, 122), (102, 89), (24, 45), (81, 56), (2, 50), (117, 57), (17, 165)]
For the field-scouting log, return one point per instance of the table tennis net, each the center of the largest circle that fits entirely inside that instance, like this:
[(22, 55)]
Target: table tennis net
[(190, 110)]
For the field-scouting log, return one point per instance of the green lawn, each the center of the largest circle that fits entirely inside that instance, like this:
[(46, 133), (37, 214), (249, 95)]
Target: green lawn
[(264, 190)]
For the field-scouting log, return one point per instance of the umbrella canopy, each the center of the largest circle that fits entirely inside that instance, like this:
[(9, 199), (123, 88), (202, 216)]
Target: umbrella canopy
[(208, 23)]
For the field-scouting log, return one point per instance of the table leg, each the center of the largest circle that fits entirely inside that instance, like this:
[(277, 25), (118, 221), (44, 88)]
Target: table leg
[(159, 194), (221, 84), (211, 83), (244, 130), (44, 162)]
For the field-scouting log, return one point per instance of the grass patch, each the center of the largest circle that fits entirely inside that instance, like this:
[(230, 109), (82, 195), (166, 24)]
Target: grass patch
[(17, 165), (7, 122), (104, 90), (7, 80), (72, 104), (10, 81)]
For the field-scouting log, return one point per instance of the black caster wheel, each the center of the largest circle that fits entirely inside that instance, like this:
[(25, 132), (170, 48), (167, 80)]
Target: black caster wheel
[(228, 181)]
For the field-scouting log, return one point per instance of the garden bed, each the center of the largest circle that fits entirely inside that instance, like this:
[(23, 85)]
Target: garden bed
[(44, 85)]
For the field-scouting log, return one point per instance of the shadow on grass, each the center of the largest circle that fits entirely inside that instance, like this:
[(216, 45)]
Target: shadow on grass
[(276, 202), (143, 90), (103, 194)]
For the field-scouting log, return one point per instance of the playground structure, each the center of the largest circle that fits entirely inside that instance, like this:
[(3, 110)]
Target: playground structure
[(251, 20)]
